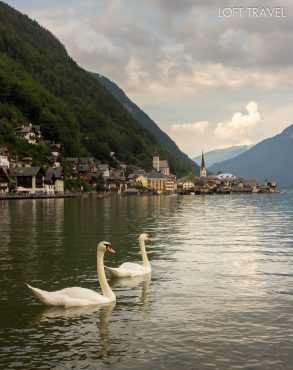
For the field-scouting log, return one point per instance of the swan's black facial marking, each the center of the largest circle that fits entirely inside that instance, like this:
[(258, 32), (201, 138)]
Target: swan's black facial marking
[(109, 248)]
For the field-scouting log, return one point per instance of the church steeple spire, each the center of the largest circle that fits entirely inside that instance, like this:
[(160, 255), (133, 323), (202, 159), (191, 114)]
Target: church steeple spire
[(203, 171), (202, 160)]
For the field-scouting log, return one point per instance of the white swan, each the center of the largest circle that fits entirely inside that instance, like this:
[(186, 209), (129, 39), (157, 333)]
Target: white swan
[(134, 269), (70, 297)]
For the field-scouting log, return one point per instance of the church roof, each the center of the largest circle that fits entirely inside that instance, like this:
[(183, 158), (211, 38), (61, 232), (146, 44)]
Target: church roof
[(156, 176), (164, 164), (28, 171)]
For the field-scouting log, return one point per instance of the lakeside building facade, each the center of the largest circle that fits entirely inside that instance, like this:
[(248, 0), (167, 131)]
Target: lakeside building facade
[(4, 181), (29, 179), (90, 174), (157, 182)]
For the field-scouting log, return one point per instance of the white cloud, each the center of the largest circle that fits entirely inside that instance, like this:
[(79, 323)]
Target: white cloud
[(190, 128), (172, 45), (241, 129), (178, 45), (240, 126)]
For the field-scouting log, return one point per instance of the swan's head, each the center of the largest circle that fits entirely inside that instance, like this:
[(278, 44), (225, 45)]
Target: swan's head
[(105, 247), (144, 237)]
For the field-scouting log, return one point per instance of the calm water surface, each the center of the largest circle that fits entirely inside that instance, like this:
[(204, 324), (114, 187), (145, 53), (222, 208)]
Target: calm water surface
[(220, 295)]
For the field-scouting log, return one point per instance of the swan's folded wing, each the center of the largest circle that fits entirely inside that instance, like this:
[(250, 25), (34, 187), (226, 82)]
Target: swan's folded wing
[(69, 297), (117, 272), (131, 266), (82, 293), (48, 298), (127, 269), (77, 296)]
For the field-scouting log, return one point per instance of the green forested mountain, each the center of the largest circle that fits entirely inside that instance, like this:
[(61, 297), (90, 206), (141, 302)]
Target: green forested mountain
[(166, 142), (41, 84)]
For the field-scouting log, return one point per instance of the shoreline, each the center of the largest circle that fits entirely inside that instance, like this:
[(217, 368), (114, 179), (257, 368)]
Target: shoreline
[(71, 196), (41, 196)]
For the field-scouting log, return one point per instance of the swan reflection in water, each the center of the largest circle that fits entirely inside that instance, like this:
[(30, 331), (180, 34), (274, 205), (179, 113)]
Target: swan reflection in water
[(123, 285), (101, 314), (132, 282), (63, 312), (103, 326)]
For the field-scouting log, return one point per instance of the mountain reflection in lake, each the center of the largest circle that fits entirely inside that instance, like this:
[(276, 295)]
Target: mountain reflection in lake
[(219, 296)]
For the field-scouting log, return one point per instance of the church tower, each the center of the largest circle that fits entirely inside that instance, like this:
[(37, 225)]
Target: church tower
[(203, 171), (156, 161)]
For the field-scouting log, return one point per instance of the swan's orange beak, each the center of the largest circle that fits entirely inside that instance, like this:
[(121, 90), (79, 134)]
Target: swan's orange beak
[(110, 249)]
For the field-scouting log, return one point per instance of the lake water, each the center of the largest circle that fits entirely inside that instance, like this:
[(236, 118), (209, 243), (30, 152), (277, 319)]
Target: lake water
[(220, 295)]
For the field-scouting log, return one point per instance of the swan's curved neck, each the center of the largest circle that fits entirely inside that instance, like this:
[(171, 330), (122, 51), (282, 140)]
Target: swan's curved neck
[(107, 291), (145, 260)]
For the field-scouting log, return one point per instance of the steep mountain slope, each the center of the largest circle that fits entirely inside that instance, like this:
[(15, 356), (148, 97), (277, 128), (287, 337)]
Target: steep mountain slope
[(166, 142), (271, 158), (41, 84), (220, 155)]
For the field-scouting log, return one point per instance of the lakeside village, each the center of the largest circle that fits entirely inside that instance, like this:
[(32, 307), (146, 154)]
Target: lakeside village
[(19, 178)]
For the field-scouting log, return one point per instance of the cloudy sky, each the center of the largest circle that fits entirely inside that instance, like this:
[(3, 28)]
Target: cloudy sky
[(207, 76)]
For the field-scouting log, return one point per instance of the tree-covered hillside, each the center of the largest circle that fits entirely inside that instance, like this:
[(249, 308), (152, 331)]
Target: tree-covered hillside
[(41, 84), (166, 142)]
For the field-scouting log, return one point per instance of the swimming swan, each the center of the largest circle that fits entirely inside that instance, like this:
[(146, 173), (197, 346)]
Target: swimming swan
[(70, 297), (134, 269)]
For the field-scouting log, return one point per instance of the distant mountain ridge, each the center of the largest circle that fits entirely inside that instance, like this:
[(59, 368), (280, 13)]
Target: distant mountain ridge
[(220, 155), (166, 142), (270, 159)]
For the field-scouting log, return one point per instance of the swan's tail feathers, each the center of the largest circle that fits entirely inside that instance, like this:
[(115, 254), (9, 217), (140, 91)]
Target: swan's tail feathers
[(40, 294)]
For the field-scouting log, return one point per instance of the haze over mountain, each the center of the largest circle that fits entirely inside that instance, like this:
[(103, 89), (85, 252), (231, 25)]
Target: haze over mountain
[(270, 159), (220, 155), (41, 84)]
